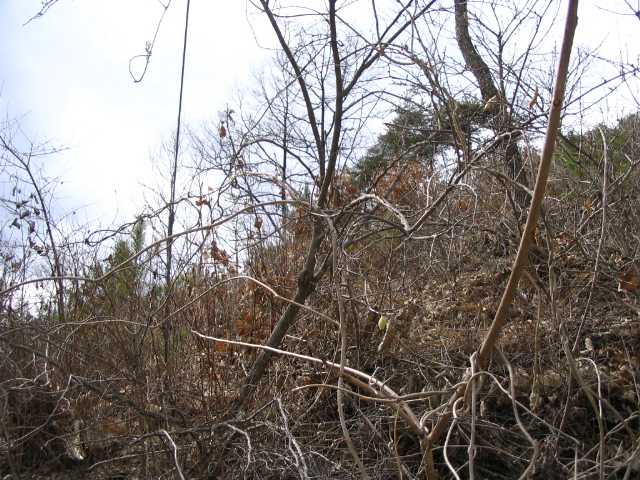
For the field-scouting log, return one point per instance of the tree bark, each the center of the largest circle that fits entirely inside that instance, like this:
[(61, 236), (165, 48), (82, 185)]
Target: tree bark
[(474, 61), (306, 286), (476, 64)]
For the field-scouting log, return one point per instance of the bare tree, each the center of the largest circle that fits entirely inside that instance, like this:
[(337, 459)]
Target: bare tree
[(32, 208), (329, 69)]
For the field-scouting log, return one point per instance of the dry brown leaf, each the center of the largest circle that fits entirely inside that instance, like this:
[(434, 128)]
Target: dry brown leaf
[(629, 281), (534, 100), (587, 205), (492, 103)]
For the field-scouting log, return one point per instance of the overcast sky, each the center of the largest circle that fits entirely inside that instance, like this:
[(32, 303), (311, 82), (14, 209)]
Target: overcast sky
[(69, 72)]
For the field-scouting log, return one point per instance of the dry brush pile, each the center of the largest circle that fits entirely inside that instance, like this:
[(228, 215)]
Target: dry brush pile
[(330, 320), (99, 396)]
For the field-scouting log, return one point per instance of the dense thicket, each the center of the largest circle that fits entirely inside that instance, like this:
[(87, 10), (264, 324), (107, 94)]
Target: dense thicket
[(357, 212)]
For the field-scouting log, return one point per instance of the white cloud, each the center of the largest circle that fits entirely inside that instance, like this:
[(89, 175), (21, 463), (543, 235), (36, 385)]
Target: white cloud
[(70, 71)]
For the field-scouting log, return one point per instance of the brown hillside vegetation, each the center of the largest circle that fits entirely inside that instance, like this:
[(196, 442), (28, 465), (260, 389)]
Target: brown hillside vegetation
[(314, 302)]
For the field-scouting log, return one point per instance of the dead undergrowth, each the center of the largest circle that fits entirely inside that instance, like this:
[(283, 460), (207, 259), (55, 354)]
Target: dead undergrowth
[(59, 423)]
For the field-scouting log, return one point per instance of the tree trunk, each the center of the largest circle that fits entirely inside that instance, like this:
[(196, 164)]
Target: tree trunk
[(306, 286), (477, 66)]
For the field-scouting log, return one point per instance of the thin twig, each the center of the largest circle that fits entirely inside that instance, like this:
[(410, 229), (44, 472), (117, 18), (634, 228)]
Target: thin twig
[(174, 451), (343, 349)]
